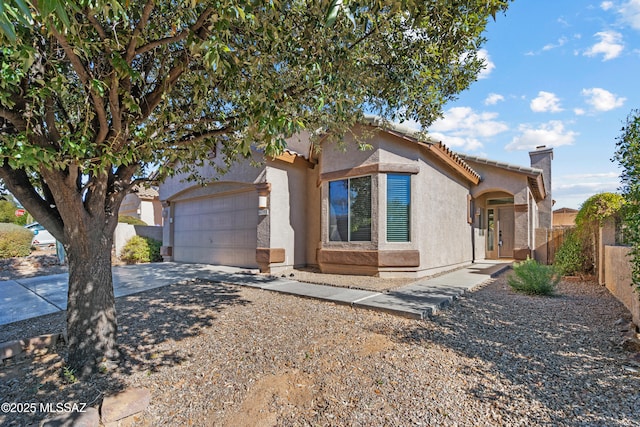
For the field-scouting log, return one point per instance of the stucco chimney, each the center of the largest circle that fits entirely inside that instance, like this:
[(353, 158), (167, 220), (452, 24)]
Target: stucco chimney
[(541, 158)]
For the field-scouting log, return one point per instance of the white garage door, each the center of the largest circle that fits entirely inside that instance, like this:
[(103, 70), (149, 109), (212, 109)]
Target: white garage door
[(217, 230)]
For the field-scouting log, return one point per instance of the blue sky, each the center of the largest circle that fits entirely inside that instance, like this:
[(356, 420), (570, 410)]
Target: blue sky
[(560, 73)]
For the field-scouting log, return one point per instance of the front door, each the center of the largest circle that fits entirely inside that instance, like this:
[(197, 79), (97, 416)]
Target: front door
[(505, 232), (500, 232)]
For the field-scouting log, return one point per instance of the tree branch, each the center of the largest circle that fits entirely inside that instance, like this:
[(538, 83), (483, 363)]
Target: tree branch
[(85, 77), (18, 183), (96, 25), (200, 136), (144, 18), (152, 99), (15, 119), (50, 120), (202, 19)]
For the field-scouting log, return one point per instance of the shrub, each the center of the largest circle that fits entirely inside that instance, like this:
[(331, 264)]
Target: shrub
[(532, 278), (131, 220), (14, 240), (570, 257), (8, 213), (141, 249)]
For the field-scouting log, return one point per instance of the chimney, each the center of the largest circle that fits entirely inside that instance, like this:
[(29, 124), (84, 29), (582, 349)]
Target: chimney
[(541, 158)]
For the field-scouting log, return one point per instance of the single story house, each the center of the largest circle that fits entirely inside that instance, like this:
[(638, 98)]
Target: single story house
[(406, 207)]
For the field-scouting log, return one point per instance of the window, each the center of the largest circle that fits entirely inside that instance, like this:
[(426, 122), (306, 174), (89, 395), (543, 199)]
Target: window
[(350, 210), (398, 207)]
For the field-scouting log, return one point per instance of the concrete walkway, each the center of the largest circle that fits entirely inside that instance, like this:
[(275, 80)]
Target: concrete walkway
[(31, 297)]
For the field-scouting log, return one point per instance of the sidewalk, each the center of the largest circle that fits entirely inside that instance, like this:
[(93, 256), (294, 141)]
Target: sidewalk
[(31, 297)]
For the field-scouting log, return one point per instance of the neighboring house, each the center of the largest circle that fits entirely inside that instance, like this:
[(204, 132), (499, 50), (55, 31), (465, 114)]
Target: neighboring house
[(143, 203), (405, 207), (564, 217)]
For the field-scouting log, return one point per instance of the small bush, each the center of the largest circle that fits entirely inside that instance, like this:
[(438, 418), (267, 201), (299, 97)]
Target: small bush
[(532, 278), (8, 213), (141, 249), (570, 258), (131, 220), (15, 241)]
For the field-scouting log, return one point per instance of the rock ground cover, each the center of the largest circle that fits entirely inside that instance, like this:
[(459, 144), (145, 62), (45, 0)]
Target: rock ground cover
[(216, 354)]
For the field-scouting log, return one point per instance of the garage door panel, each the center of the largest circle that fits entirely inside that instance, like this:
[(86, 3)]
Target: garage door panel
[(217, 230)]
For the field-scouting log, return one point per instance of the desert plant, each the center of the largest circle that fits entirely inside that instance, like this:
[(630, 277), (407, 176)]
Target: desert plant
[(127, 219), (570, 258), (141, 249), (14, 240), (532, 278)]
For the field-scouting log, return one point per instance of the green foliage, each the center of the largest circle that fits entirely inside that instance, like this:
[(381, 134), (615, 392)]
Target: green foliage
[(628, 156), (578, 252), (141, 249), (598, 208), (569, 258), (8, 213), (15, 241), (532, 278), (127, 219), (69, 375)]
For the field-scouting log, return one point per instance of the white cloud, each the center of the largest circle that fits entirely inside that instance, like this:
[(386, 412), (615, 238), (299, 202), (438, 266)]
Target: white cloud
[(573, 190), (601, 99), (458, 142), (551, 134), (610, 45), (606, 5), (545, 102), (579, 111), (493, 99), (630, 12), (464, 128), (488, 64), (561, 42)]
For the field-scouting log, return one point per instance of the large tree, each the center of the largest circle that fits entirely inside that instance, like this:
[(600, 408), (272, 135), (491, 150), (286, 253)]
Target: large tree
[(94, 92)]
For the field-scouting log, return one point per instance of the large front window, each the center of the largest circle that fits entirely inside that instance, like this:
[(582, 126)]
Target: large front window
[(350, 210)]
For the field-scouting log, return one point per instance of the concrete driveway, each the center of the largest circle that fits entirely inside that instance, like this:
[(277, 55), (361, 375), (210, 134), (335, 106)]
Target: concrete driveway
[(31, 297)]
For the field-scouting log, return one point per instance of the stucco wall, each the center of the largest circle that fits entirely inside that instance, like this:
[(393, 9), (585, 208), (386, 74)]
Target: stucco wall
[(288, 211), (241, 171), (618, 279), (439, 227), (445, 234)]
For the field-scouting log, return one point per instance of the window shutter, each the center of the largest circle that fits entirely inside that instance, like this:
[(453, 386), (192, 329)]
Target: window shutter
[(398, 207)]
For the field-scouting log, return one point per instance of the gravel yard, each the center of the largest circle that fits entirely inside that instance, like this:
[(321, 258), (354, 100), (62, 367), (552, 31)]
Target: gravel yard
[(215, 354)]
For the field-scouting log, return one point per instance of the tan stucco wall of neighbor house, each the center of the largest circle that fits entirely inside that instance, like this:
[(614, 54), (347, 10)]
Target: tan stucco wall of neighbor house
[(618, 279), (564, 217), (440, 233), (147, 210)]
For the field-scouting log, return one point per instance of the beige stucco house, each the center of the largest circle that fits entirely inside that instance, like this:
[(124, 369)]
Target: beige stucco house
[(407, 206), (143, 203)]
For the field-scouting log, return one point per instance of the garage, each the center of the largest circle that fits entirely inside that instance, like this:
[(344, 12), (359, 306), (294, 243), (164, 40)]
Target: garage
[(220, 229)]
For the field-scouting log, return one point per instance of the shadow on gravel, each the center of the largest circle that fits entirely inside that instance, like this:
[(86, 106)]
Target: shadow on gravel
[(172, 313), (556, 352), (147, 323)]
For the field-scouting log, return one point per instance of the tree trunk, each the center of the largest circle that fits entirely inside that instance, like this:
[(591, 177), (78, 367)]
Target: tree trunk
[(91, 312)]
